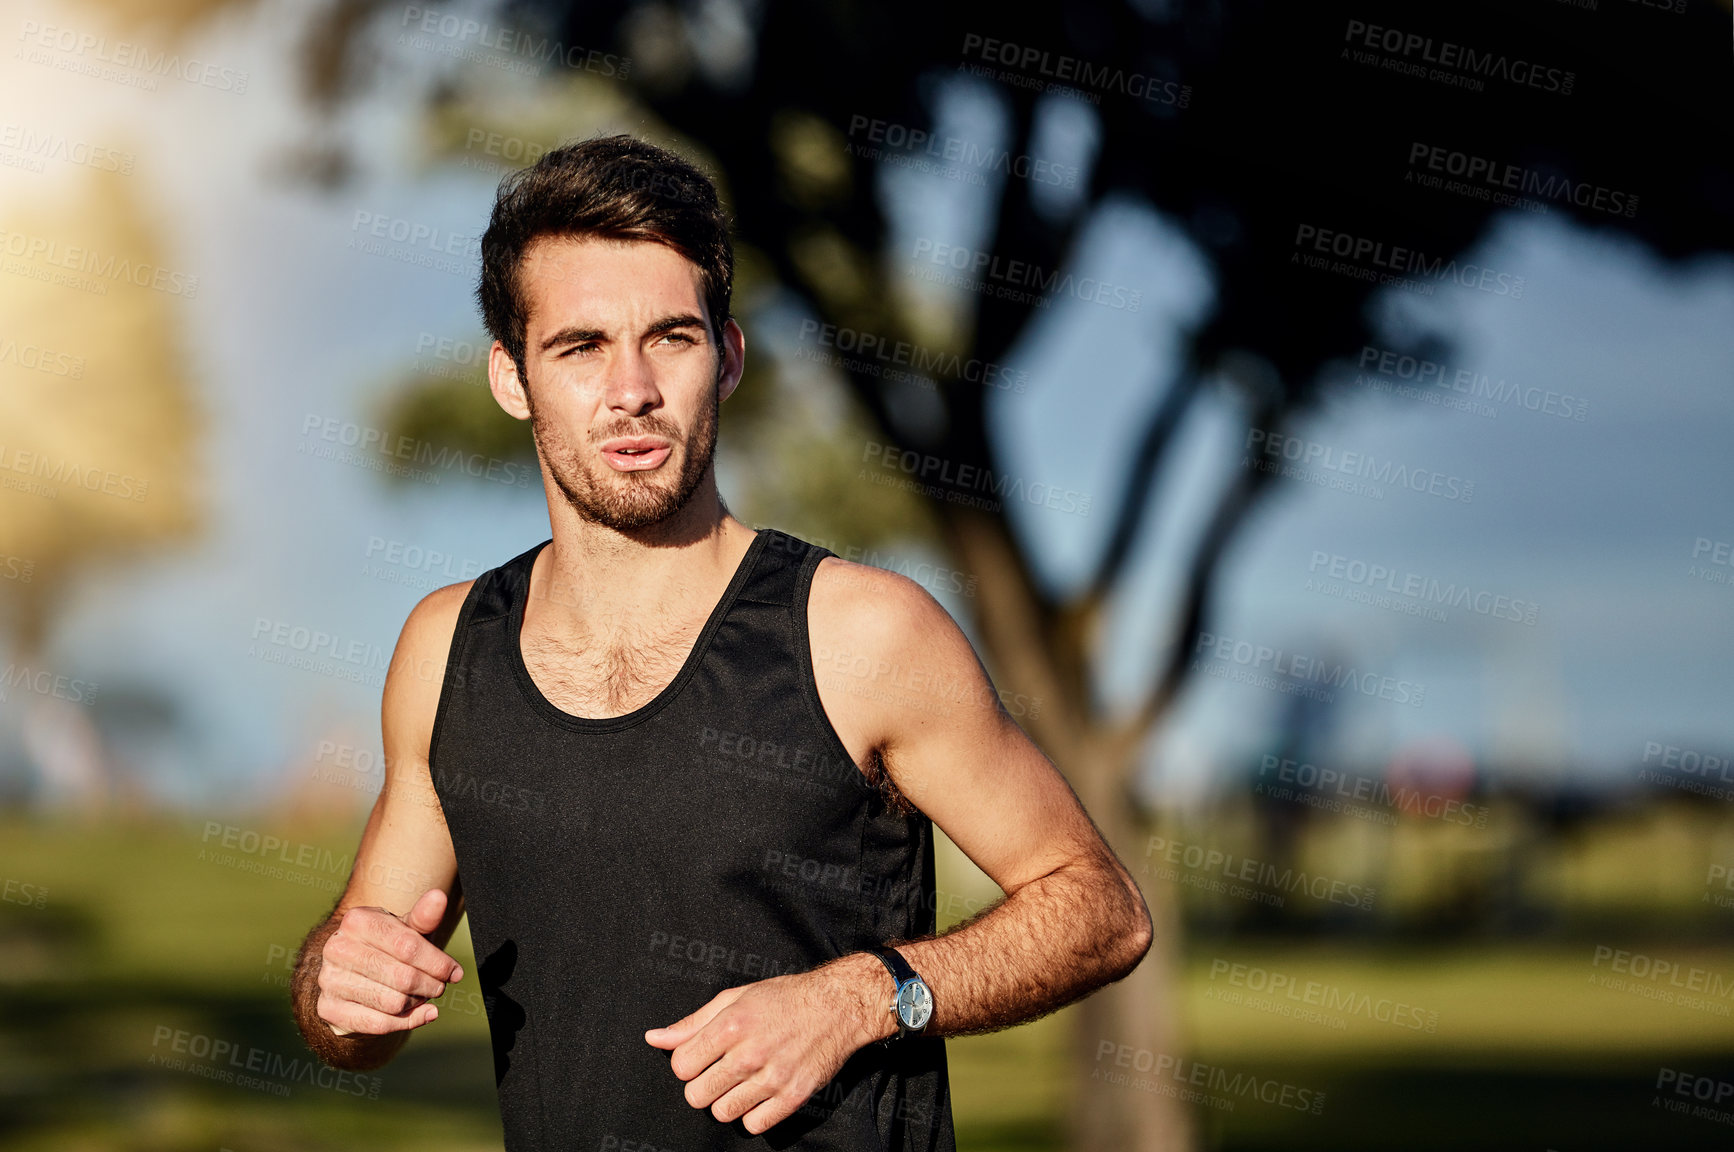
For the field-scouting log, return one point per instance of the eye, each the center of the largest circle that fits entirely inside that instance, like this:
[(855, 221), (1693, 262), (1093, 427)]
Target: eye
[(580, 349), (677, 336)]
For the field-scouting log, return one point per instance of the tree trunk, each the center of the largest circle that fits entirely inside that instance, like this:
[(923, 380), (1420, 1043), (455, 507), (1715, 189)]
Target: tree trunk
[(1121, 1083), (1130, 1114)]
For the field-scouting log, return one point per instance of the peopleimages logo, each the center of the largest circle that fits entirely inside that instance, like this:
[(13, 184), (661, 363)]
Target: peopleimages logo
[(953, 479), (93, 55), (843, 880), (1375, 258), (37, 147), (1433, 374), (890, 140), (1017, 280), (1211, 1078), (1038, 63), (514, 150), (1706, 1090), (232, 1060), (1664, 981), (412, 242), (1502, 182), (60, 471), (1293, 671), (415, 233), (23, 893), (319, 643), (1200, 859), (418, 559), (380, 451), (1308, 782), (88, 262), (871, 349), (1309, 1000), (933, 577), (1453, 63), (1424, 590), (726, 958), (1305, 455), (495, 45), (1688, 770), (46, 683), (40, 359)]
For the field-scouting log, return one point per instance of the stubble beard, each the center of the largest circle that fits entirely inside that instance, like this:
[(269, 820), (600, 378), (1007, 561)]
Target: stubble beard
[(627, 501)]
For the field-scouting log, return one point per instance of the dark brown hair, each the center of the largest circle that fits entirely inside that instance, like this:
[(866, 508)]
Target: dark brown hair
[(615, 188)]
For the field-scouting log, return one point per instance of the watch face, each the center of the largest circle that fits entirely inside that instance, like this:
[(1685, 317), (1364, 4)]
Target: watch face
[(914, 1005)]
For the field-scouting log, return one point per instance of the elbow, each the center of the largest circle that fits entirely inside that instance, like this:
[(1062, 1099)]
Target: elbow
[(1143, 935), (1135, 932)]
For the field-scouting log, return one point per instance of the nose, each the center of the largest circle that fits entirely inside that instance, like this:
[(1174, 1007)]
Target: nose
[(631, 384)]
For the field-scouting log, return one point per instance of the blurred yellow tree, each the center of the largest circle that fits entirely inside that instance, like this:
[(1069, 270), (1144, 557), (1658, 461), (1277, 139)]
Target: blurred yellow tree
[(97, 422)]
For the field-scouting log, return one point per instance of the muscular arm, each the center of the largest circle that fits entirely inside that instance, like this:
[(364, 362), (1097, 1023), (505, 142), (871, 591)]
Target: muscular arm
[(364, 973), (1073, 918), (925, 713)]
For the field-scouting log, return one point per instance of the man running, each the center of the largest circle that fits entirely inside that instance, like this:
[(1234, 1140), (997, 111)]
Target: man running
[(682, 775)]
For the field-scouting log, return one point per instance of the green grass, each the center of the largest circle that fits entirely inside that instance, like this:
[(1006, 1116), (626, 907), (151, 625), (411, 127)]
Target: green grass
[(136, 934)]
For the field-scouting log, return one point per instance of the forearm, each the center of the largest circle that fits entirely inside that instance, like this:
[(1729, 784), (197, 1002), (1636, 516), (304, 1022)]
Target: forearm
[(1055, 940), (357, 1052), (755, 1053)]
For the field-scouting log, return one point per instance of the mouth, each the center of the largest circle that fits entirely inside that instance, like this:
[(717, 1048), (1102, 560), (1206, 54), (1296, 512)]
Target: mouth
[(635, 453)]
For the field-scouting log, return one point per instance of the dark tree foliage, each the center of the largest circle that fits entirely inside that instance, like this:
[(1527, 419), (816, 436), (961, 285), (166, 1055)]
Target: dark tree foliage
[(1282, 128)]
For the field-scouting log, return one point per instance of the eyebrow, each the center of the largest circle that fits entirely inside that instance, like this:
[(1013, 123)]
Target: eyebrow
[(575, 335)]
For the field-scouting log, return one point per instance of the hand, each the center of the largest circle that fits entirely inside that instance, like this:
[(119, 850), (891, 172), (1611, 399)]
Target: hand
[(377, 972), (756, 1053)]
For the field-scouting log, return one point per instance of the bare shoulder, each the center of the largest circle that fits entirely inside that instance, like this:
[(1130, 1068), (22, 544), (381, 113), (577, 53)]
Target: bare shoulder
[(417, 672), (435, 616), (889, 659), (857, 607)]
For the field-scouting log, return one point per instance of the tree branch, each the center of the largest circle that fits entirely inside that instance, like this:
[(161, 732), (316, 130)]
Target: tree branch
[(1140, 487), (1235, 499)]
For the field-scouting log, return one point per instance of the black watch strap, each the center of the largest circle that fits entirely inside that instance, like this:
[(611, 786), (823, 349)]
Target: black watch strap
[(895, 964)]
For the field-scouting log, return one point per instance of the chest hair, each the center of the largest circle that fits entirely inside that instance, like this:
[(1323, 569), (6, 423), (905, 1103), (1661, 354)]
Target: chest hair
[(615, 669)]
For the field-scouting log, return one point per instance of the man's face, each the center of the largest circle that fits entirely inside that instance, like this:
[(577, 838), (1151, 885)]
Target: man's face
[(625, 377)]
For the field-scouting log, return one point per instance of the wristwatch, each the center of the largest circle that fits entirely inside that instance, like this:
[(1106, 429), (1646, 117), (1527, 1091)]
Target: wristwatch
[(912, 1003)]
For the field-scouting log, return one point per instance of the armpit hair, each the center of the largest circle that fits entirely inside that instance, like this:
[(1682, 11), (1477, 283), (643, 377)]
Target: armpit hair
[(877, 776)]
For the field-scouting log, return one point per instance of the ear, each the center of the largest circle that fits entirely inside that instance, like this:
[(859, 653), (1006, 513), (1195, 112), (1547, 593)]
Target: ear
[(503, 380), (734, 360)]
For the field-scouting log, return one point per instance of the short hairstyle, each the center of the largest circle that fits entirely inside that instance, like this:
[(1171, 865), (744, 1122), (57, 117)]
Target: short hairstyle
[(614, 188)]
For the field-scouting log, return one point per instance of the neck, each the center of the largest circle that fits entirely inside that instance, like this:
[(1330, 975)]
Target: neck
[(593, 578)]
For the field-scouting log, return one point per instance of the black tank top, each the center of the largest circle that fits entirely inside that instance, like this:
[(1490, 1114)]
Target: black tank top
[(620, 872)]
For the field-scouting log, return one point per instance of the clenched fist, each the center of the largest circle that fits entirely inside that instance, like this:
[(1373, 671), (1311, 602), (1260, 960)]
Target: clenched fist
[(377, 971), (757, 1052)]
